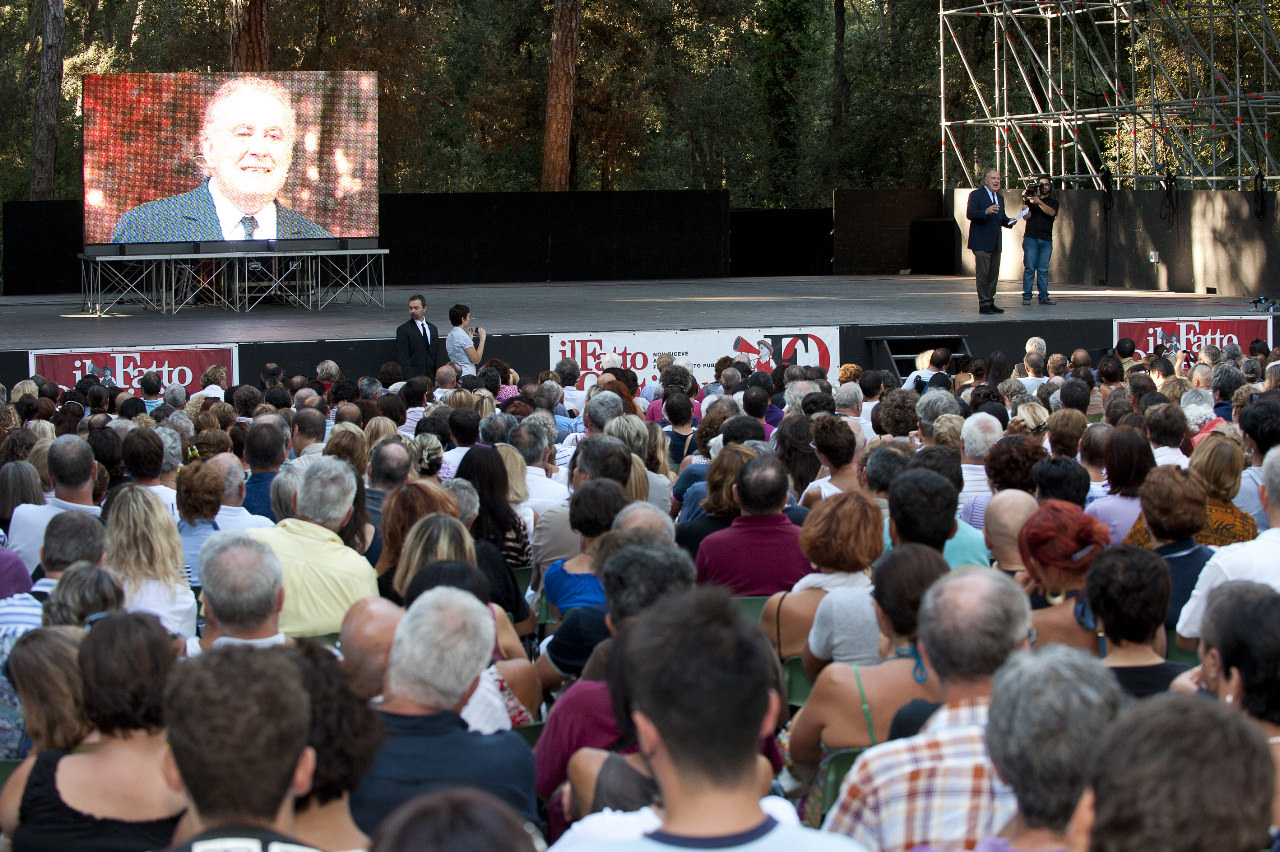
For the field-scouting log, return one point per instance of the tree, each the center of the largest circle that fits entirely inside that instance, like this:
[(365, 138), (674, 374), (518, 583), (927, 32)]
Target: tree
[(561, 78), (44, 147), (248, 34)]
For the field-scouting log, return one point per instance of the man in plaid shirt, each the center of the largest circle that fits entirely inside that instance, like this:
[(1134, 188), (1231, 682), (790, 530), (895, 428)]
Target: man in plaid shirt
[(939, 787)]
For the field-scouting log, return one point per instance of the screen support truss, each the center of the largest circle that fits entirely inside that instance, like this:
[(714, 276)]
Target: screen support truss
[(1158, 92)]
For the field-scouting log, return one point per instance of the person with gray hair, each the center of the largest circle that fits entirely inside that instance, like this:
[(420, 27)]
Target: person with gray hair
[(795, 392), (284, 489), (596, 457), (467, 498), (848, 398), (243, 594), (530, 440), (969, 624), (322, 576), (72, 470), (172, 441), (1227, 379), (495, 428), (601, 408), (370, 388), (932, 405), (644, 515), (1046, 711), (175, 395), (303, 397), (979, 434), (441, 646), (389, 465), (553, 390), (232, 515)]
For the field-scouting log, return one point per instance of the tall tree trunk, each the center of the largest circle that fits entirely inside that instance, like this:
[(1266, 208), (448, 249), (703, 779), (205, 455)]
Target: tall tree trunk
[(839, 79), (248, 34), (44, 146), (561, 78)]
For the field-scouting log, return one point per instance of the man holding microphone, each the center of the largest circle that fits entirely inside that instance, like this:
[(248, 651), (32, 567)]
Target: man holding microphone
[(985, 212)]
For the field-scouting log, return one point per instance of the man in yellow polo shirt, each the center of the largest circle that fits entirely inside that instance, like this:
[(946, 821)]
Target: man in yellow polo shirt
[(322, 576)]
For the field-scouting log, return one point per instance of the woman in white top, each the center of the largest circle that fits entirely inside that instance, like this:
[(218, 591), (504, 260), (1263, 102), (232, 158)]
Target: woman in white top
[(842, 537), (837, 447), (459, 346), (144, 552)]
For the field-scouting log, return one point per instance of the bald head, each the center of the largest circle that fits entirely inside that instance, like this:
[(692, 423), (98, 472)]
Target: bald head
[(367, 631), (232, 478), (1006, 513)]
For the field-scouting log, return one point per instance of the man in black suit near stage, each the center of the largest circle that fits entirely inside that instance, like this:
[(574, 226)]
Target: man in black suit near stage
[(419, 347), (986, 216)]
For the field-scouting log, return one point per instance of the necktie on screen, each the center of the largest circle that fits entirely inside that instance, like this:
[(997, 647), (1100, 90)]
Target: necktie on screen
[(250, 225)]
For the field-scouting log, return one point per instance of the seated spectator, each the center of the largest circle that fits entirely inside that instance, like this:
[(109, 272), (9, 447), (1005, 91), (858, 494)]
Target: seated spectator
[(677, 413), (978, 435), (72, 472), (1176, 773), (144, 552), (1216, 464), (243, 594), (1066, 428), (458, 820), (1166, 428), (322, 576), (837, 447), (1008, 465), (830, 609), (1260, 423), (56, 800), (143, 454), (639, 572), (238, 747), (851, 706), (793, 441), (736, 430), (971, 621), (1128, 591), (1093, 447), (1128, 460), (572, 583), (199, 492), (19, 483), (403, 507), (759, 553), (1046, 711), (44, 669), (631, 430), (497, 522), (1061, 478), (1058, 544), (923, 509), (643, 515), (232, 515), (69, 538), (1248, 560), (710, 784), (344, 734), (86, 592), (544, 492), (365, 639), (441, 646)]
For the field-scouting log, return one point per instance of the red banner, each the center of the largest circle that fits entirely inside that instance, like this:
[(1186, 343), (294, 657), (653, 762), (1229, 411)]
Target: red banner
[(183, 365), (1191, 334)]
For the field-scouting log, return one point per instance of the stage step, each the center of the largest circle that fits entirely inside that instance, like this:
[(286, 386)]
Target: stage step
[(897, 354)]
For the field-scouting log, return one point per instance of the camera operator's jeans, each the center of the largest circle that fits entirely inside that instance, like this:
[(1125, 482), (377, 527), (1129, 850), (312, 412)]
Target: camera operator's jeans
[(1035, 263)]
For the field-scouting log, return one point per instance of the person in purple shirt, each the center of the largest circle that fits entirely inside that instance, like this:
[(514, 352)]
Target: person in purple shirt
[(759, 554)]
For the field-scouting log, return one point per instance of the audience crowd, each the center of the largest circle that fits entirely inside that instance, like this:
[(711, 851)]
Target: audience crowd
[(1003, 604)]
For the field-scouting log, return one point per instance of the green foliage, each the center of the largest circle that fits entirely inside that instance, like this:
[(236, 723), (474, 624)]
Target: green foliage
[(671, 94)]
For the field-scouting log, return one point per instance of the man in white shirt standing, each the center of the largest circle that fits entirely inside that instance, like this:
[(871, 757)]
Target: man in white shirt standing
[(72, 471)]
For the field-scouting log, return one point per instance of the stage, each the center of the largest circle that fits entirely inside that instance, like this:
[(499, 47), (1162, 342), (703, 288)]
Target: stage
[(523, 317)]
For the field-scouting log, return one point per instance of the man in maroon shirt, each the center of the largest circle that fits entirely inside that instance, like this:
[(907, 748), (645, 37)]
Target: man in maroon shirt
[(759, 553)]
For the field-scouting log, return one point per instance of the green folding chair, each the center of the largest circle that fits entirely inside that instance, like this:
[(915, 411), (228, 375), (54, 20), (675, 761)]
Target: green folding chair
[(7, 768), (752, 606), (523, 577), (837, 765), (531, 732), (798, 686)]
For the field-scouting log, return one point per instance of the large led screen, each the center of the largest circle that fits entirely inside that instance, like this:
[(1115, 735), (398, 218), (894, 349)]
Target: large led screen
[(212, 157)]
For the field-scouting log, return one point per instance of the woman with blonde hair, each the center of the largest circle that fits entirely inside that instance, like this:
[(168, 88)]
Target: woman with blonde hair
[(377, 429), (428, 458), (443, 538), (144, 552), (38, 457), (44, 668), (484, 404), (655, 487), (461, 398), (517, 485)]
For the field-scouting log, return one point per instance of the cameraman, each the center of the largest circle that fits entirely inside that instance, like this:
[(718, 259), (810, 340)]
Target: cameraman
[(1037, 240)]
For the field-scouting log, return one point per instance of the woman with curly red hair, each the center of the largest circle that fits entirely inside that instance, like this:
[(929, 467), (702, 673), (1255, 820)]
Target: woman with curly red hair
[(1058, 544)]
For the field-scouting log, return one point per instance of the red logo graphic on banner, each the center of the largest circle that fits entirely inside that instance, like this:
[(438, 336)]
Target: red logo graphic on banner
[(126, 367), (1190, 335)]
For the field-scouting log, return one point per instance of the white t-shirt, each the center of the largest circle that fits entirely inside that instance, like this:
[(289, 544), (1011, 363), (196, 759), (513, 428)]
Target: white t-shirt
[(456, 346), (610, 825), (845, 628), (769, 836)]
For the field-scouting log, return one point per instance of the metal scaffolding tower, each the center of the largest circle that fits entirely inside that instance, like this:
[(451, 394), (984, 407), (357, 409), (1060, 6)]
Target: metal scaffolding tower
[(1140, 91)]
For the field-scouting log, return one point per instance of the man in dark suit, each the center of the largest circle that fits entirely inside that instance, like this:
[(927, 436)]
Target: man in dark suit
[(419, 347), (246, 146), (985, 212)]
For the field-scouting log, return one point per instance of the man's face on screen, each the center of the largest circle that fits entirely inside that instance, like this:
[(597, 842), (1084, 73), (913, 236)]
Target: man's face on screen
[(248, 147)]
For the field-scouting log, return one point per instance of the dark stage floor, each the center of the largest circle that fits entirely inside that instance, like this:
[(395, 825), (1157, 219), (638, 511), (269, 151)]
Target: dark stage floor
[(57, 321)]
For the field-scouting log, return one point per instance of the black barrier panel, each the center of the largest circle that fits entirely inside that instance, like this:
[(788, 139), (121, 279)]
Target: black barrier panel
[(41, 240), (873, 228), (769, 243), (527, 353), (15, 365), (488, 237)]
